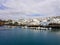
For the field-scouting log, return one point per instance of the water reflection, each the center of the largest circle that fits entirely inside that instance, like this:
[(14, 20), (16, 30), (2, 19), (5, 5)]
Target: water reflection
[(55, 30), (7, 27), (33, 30), (19, 35)]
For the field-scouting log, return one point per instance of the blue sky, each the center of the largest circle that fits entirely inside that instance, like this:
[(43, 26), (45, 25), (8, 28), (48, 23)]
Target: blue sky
[(16, 9)]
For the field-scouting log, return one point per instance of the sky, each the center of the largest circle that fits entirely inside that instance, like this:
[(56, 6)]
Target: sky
[(16, 9)]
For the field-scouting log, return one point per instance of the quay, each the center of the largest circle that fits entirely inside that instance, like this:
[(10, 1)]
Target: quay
[(36, 27)]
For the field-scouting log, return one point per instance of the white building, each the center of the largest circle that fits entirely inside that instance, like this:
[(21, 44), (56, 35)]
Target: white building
[(44, 23), (34, 22)]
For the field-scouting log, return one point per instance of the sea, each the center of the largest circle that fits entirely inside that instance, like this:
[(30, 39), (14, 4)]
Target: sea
[(18, 36)]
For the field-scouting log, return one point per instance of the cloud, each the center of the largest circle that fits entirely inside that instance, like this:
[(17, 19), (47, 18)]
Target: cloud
[(29, 7)]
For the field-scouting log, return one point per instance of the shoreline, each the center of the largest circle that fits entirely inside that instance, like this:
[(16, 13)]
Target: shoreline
[(26, 27)]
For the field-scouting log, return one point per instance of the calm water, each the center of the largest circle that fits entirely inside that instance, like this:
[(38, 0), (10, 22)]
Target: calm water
[(18, 36)]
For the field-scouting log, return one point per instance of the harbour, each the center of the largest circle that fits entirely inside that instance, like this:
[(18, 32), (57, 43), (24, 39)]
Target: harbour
[(29, 22), (19, 36)]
